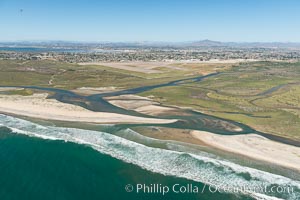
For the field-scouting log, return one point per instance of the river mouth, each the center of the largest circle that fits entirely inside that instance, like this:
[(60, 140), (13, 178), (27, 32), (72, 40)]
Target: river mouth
[(186, 119), (130, 133), (170, 161), (172, 158)]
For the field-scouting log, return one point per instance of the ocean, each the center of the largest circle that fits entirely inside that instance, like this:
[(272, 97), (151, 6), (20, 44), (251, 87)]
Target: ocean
[(50, 162)]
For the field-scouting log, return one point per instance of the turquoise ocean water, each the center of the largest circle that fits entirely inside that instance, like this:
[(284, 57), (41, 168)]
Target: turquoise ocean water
[(48, 162)]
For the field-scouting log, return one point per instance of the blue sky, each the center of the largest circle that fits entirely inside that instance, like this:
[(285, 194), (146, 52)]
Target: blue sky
[(150, 20)]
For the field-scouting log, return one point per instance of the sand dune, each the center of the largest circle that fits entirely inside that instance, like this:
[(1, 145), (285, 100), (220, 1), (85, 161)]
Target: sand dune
[(38, 106), (253, 146)]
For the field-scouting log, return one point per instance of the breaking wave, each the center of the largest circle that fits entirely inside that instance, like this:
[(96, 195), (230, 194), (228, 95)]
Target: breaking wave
[(201, 168)]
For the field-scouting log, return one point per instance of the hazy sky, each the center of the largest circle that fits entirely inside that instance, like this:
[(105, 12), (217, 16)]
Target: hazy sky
[(150, 20)]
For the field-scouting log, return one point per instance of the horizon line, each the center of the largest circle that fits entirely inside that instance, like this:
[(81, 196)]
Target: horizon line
[(143, 41)]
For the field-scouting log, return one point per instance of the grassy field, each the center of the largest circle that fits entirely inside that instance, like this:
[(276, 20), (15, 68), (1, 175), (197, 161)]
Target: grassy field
[(263, 95), (70, 76)]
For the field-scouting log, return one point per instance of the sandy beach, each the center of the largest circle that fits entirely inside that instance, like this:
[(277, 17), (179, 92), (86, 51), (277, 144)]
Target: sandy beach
[(139, 104), (38, 106), (253, 146)]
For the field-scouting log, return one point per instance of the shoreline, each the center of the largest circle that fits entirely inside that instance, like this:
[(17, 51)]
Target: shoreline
[(253, 146), (38, 106), (203, 139)]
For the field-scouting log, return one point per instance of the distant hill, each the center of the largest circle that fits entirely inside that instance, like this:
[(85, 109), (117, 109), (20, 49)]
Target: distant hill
[(206, 43), (211, 43), (140, 44)]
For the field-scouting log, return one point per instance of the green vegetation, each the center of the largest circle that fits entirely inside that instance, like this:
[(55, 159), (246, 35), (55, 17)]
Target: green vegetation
[(263, 95), (56, 74)]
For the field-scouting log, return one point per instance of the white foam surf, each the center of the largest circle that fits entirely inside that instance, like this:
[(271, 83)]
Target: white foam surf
[(201, 168)]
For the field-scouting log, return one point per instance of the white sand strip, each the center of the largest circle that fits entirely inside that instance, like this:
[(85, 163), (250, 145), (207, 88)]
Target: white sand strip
[(37, 106), (253, 146)]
